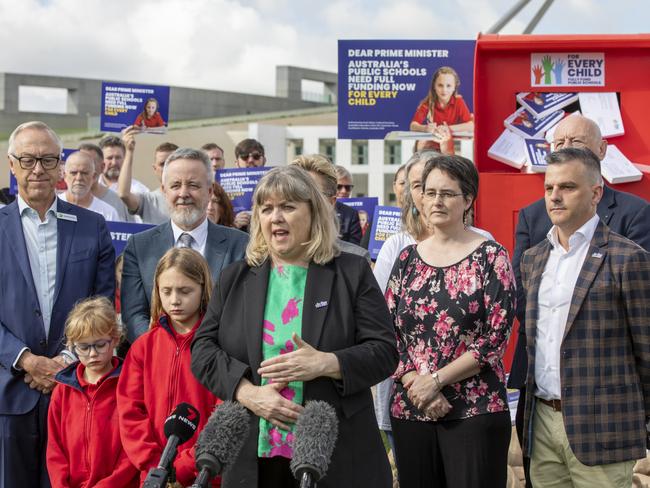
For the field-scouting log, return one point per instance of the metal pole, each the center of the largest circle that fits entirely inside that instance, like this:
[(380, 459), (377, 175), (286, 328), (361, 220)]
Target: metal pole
[(538, 16), (507, 17)]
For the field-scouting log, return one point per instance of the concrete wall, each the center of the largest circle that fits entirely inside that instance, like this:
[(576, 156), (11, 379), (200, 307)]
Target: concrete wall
[(84, 102)]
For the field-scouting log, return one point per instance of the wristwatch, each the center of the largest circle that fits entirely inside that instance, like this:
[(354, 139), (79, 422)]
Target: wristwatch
[(436, 378)]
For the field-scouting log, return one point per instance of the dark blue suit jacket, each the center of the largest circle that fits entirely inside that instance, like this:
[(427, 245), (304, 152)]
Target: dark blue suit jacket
[(350, 227), (85, 267), (224, 245), (624, 213)]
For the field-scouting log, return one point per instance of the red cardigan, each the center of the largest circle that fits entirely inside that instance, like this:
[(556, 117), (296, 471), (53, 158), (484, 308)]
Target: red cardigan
[(156, 377), (84, 449)]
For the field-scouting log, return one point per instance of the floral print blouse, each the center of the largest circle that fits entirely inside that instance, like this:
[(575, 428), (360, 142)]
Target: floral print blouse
[(442, 312)]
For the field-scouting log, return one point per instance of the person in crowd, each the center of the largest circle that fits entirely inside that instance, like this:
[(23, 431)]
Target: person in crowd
[(452, 299), (415, 230), (150, 206), (587, 306), (297, 321), (156, 373), (399, 184), (187, 184), (114, 152), (349, 225), (150, 116), (249, 154), (624, 213), (320, 168), (443, 105), (215, 153), (83, 439), (220, 207), (100, 191), (54, 254), (79, 178)]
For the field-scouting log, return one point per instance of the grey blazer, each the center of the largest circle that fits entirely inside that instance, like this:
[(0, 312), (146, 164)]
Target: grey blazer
[(141, 255)]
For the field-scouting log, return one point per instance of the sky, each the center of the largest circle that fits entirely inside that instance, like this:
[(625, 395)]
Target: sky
[(236, 45)]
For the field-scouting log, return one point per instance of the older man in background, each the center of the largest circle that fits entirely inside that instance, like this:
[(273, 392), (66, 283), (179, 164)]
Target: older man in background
[(187, 185)]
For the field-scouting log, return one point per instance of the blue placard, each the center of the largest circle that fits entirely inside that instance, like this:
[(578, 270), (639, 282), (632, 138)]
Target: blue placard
[(121, 231), (240, 184), (381, 83), (66, 152), (386, 221), (365, 206), (125, 104)]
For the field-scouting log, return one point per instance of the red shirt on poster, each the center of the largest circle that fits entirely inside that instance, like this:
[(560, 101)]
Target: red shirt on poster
[(155, 121), (456, 112)]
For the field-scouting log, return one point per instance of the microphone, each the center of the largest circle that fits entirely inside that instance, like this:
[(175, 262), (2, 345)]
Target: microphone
[(179, 428), (314, 439), (220, 441)]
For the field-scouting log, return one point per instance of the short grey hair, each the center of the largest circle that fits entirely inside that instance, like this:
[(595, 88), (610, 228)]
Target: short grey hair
[(189, 153), (585, 156), (37, 125), (342, 172)]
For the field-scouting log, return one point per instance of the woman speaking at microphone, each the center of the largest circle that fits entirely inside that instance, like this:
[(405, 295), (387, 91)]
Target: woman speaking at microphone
[(298, 321)]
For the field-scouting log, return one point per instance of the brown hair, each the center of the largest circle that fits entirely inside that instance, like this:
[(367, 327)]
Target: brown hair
[(166, 147), (191, 264), (92, 316), (227, 217), (319, 164)]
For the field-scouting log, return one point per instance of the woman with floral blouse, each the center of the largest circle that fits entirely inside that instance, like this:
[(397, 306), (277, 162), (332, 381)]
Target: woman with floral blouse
[(452, 299)]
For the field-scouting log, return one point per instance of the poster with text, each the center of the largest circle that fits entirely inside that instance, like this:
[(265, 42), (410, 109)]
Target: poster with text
[(384, 85), (365, 207), (121, 231), (386, 221), (125, 104), (240, 184)]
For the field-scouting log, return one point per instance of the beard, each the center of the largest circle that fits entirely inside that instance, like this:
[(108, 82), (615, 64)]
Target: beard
[(186, 216), (112, 174)]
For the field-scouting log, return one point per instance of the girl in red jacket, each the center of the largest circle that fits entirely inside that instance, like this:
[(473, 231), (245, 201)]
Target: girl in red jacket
[(149, 117), (157, 374), (84, 449)]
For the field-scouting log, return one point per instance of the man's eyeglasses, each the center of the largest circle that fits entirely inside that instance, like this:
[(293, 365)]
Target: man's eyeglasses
[(29, 162), (444, 195), (347, 187), (255, 155), (100, 347)]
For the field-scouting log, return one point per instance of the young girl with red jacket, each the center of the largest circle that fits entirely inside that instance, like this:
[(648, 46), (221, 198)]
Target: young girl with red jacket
[(156, 374), (84, 449)]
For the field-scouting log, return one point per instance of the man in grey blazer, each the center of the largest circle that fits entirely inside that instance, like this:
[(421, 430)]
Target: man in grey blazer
[(187, 184)]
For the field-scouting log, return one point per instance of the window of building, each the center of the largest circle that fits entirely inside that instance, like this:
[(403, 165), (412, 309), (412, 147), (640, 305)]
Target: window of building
[(392, 152), (45, 99), (359, 152), (327, 147)]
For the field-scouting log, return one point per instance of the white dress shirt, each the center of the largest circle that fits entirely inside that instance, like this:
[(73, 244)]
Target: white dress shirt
[(554, 301), (199, 235)]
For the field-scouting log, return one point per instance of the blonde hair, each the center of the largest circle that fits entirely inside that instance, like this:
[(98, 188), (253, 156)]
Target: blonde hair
[(432, 98), (94, 316), (317, 163), (294, 184), (191, 264)]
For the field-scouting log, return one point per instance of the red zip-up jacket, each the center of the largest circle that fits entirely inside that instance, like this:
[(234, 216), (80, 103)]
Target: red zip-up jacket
[(156, 377), (84, 449)]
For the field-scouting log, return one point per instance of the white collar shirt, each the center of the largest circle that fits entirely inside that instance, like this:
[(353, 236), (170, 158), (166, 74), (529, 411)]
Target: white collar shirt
[(554, 301), (199, 236)]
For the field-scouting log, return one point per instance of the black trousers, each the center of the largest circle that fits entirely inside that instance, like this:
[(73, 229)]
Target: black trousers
[(23, 442), (467, 453), (519, 425), (274, 472)]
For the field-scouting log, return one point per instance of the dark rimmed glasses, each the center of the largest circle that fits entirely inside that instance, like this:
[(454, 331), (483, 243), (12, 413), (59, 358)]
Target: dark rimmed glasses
[(30, 162)]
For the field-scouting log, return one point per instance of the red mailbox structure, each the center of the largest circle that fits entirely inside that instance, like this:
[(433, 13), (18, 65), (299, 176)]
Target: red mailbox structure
[(502, 69)]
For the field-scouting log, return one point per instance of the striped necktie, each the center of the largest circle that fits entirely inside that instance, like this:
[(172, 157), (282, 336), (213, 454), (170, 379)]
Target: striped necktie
[(185, 241)]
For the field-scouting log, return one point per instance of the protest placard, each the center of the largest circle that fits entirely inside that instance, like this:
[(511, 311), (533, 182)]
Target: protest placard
[(125, 104), (386, 221), (365, 207), (239, 184), (121, 231)]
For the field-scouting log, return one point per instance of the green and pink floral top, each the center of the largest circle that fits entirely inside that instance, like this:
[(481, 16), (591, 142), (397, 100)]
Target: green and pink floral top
[(282, 317)]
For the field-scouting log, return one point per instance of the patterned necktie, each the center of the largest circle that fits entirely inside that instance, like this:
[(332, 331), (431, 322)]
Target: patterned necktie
[(185, 241)]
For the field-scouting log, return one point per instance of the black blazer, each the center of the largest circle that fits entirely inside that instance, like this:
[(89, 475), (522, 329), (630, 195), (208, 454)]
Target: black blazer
[(344, 313), (350, 227), (624, 213)]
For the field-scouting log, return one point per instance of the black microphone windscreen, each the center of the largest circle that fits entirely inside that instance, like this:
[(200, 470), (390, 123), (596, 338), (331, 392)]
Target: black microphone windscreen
[(314, 438), (223, 436), (182, 422)]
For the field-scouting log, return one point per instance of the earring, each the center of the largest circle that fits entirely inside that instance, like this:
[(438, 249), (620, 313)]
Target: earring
[(414, 211), (465, 214)]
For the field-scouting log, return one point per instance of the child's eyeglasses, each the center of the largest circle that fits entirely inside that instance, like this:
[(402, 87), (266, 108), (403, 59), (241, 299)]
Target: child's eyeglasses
[(100, 347)]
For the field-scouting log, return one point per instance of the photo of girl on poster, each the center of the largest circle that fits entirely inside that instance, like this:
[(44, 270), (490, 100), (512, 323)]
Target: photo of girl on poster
[(443, 105), (149, 117)]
